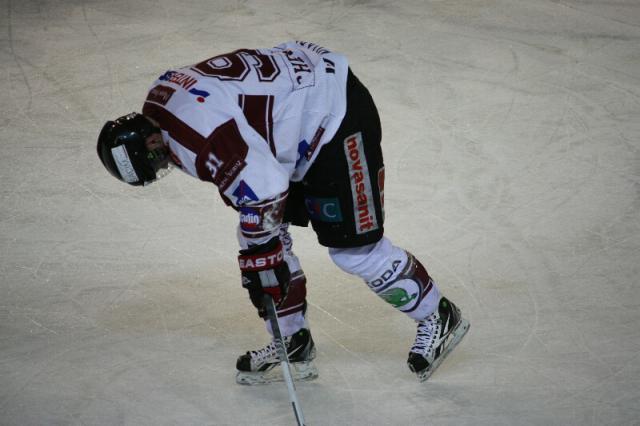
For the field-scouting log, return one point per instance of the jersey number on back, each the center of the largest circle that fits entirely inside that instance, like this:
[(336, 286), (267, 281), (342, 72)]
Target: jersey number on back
[(236, 66)]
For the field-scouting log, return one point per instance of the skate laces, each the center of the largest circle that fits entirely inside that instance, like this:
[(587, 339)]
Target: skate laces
[(268, 352), (427, 335)]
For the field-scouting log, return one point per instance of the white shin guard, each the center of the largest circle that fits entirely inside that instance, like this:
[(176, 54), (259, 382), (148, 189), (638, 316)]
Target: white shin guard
[(393, 274)]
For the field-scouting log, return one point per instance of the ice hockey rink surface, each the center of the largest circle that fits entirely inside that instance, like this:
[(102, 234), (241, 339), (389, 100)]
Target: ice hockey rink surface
[(511, 132)]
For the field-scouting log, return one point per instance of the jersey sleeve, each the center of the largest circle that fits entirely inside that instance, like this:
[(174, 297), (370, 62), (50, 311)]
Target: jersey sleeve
[(221, 147), (240, 163), (218, 145)]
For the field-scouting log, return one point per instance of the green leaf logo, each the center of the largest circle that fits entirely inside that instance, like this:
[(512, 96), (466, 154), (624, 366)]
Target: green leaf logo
[(397, 296)]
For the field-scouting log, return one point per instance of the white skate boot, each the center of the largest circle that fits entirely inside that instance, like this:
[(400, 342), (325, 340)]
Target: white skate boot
[(437, 335)]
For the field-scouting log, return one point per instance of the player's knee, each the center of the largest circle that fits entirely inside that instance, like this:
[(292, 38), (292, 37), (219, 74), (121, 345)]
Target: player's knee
[(367, 261), (351, 260)]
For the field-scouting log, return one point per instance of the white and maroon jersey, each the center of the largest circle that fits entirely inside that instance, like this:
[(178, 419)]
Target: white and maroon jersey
[(251, 120)]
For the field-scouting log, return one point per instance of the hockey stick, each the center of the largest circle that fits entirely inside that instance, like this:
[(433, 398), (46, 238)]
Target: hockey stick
[(284, 359)]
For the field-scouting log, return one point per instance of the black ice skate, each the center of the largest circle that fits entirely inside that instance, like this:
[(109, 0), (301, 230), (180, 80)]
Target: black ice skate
[(437, 336), (259, 367)]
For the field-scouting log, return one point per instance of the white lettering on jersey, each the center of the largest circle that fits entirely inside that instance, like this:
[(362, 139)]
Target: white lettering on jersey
[(213, 164)]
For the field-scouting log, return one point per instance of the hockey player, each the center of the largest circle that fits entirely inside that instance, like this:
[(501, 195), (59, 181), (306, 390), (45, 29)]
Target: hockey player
[(288, 135)]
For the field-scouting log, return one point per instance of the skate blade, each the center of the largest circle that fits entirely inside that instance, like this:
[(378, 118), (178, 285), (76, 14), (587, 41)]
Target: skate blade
[(300, 371), (457, 334)]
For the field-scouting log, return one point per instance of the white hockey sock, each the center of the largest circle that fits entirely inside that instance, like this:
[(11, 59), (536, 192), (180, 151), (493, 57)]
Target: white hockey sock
[(393, 274), (289, 324)]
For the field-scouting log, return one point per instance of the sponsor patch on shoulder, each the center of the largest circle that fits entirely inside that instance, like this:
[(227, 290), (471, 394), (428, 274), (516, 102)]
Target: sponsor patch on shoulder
[(160, 94)]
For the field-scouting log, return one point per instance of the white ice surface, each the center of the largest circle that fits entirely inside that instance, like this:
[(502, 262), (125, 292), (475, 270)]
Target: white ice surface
[(512, 143)]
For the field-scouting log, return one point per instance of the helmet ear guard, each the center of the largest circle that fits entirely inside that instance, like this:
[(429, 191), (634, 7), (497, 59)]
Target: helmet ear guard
[(122, 149)]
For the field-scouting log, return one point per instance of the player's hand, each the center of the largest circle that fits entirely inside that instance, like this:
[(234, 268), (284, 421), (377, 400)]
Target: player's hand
[(264, 271)]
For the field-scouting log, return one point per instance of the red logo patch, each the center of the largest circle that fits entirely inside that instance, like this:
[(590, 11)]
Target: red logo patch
[(160, 94)]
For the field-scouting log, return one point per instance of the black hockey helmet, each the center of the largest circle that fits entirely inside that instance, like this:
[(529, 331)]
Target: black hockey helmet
[(122, 150)]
